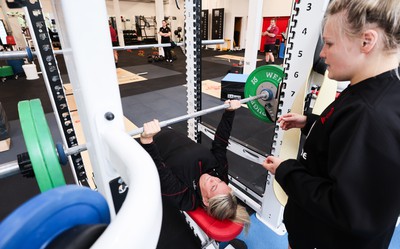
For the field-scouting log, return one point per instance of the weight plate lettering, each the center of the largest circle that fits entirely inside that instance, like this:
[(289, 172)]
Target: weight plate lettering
[(264, 80)]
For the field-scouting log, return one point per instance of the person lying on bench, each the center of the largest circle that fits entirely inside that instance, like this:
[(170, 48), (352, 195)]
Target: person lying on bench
[(192, 175)]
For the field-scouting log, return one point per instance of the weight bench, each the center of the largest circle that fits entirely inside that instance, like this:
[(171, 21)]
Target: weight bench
[(210, 230)]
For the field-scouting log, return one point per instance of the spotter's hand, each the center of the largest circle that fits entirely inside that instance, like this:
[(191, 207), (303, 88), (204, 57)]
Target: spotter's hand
[(271, 163), (292, 120)]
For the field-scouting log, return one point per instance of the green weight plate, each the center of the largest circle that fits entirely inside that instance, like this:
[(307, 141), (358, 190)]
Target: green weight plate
[(46, 144), (6, 71), (32, 145), (264, 78)]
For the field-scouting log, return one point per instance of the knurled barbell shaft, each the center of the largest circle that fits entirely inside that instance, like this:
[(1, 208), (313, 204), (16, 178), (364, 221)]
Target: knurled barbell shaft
[(80, 148)]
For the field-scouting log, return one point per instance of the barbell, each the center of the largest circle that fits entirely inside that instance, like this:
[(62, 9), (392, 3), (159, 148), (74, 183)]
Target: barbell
[(262, 85), (29, 54), (261, 96), (80, 148), (64, 153)]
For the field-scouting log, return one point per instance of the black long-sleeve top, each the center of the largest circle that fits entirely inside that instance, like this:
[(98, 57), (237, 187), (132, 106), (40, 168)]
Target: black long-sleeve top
[(180, 163), (344, 190)]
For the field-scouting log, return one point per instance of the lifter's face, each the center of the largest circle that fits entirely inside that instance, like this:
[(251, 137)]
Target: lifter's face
[(211, 186)]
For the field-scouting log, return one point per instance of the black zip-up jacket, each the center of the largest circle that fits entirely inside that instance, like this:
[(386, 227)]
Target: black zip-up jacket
[(180, 163), (344, 191), (163, 38)]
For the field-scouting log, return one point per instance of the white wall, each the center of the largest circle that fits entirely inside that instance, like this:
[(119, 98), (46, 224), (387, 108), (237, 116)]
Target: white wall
[(131, 9), (277, 8), (233, 8), (239, 8), (173, 11), (12, 22)]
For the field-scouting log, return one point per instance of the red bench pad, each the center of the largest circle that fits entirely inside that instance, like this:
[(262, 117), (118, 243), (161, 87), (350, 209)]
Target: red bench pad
[(218, 230)]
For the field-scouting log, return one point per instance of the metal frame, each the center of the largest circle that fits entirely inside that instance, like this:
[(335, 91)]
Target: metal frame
[(193, 64), (206, 242), (109, 145), (110, 152), (252, 199), (52, 78), (305, 24), (11, 55)]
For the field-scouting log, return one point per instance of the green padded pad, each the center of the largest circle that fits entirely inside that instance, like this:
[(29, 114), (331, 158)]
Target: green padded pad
[(33, 146), (6, 71), (46, 144)]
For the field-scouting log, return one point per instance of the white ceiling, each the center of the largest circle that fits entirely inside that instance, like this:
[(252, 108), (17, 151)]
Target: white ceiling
[(142, 1)]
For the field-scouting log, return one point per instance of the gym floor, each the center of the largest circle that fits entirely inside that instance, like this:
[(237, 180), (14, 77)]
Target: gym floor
[(161, 96)]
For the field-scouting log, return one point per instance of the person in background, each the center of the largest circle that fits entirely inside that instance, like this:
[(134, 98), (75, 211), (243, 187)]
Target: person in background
[(165, 33), (269, 46), (192, 175), (114, 40), (344, 190)]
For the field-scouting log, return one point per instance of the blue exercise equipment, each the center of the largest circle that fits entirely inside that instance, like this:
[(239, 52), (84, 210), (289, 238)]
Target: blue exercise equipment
[(282, 50), (38, 221)]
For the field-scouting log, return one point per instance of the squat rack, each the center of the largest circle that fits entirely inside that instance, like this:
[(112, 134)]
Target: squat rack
[(269, 210), (110, 152), (304, 30)]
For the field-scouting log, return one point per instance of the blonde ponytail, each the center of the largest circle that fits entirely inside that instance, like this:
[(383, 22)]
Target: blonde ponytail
[(361, 14), (224, 207)]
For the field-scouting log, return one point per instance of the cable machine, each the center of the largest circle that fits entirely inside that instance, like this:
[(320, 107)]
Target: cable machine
[(145, 24)]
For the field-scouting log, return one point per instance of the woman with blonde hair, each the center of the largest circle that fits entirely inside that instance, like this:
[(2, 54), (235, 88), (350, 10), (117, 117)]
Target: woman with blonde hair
[(192, 175), (344, 190)]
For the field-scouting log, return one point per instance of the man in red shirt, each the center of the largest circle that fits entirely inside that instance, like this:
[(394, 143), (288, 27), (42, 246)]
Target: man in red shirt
[(269, 46)]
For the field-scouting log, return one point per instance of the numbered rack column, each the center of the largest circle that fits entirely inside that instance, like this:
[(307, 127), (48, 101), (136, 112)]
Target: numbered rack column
[(52, 78)]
